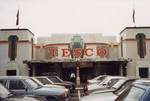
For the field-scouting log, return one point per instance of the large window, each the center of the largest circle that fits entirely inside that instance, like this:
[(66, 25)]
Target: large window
[(141, 45), (12, 53)]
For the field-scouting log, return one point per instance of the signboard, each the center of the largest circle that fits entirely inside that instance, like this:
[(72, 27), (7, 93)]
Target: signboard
[(101, 51)]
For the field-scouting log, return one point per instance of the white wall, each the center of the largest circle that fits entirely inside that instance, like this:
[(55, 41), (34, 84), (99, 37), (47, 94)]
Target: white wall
[(24, 51), (130, 49)]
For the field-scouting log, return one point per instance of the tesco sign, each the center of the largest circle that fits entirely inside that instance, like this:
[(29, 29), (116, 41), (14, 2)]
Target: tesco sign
[(77, 52)]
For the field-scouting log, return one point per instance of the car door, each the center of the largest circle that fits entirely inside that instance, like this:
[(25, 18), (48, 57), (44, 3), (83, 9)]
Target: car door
[(18, 87)]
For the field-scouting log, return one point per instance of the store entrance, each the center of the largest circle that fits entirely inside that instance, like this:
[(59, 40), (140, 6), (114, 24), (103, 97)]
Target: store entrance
[(85, 74)]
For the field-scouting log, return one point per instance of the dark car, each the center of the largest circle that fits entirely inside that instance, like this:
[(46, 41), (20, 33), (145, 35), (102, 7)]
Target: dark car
[(137, 92), (6, 95), (58, 81)]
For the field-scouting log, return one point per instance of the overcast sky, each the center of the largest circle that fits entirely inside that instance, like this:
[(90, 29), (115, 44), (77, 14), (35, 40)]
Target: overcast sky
[(44, 17)]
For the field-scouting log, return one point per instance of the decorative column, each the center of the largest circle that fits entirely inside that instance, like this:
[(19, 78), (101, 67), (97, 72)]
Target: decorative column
[(121, 70), (78, 76), (33, 70)]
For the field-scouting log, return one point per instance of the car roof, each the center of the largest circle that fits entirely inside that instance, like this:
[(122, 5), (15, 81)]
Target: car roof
[(13, 77), (41, 77), (144, 85)]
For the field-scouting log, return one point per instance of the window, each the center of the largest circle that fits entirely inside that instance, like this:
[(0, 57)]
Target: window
[(3, 82), (44, 81), (12, 53), (55, 79), (11, 72), (16, 84), (141, 45)]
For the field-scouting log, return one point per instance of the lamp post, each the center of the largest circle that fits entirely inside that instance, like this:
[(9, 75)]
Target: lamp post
[(76, 49), (77, 73)]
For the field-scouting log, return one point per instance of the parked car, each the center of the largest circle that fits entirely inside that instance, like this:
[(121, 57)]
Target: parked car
[(25, 86), (6, 95), (97, 79), (105, 83), (56, 87), (46, 85), (137, 92), (109, 95), (45, 80), (113, 87), (58, 81)]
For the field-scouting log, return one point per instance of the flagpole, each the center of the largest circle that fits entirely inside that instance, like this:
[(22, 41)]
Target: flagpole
[(133, 15), (17, 17)]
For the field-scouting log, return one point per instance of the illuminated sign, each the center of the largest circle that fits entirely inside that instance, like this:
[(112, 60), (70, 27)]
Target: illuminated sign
[(77, 52)]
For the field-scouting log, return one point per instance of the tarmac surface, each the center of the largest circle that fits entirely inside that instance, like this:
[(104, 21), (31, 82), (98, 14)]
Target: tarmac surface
[(76, 95)]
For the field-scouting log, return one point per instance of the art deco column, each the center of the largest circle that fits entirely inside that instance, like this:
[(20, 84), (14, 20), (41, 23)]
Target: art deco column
[(78, 75), (33, 70)]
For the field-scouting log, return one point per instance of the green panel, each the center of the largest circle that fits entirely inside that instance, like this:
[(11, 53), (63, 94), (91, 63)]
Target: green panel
[(76, 42), (141, 44), (12, 47)]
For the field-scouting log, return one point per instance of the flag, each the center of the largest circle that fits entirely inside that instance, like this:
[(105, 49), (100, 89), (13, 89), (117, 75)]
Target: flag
[(17, 21), (133, 16)]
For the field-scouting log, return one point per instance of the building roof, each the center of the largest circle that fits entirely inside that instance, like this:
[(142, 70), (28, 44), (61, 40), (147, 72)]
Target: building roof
[(143, 27), (15, 29)]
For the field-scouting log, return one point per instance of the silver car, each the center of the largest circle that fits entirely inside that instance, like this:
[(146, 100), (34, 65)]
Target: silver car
[(104, 83), (108, 95), (25, 86), (6, 95)]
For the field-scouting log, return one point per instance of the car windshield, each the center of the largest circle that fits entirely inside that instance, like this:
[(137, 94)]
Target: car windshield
[(37, 81), (123, 87), (4, 92), (133, 94), (55, 79), (45, 81), (101, 77), (105, 81), (118, 84), (32, 84), (112, 82)]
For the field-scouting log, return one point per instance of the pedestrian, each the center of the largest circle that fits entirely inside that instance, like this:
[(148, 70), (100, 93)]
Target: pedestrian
[(73, 77)]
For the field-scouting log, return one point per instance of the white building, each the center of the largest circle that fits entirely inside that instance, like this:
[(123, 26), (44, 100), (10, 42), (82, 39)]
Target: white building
[(60, 54), (24, 51)]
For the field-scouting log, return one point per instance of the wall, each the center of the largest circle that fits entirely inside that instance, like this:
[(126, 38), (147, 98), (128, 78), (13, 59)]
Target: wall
[(130, 49), (24, 50)]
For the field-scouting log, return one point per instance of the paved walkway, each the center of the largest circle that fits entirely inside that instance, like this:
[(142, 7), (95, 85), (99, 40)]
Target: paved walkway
[(75, 96)]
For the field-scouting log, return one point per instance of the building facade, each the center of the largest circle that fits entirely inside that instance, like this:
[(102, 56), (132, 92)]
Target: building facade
[(61, 54)]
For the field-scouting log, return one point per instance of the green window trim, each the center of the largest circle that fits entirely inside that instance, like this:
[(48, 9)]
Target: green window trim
[(141, 44), (12, 52)]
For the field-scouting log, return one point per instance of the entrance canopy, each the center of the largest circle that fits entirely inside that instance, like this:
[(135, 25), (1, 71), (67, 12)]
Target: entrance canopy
[(88, 67), (121, 60)]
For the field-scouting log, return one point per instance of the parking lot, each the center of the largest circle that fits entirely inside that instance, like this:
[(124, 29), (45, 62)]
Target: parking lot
[(75, 96)]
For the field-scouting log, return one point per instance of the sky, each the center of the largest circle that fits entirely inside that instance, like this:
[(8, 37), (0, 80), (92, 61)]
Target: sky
[(46, 17)]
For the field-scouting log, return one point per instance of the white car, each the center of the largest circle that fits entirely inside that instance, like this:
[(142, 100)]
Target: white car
[(97, 79), (117, 85), (105, 83), (109, 95), (46, 85)]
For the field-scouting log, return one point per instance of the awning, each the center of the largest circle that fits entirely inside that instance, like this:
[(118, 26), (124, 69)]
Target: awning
[(78, 60)]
